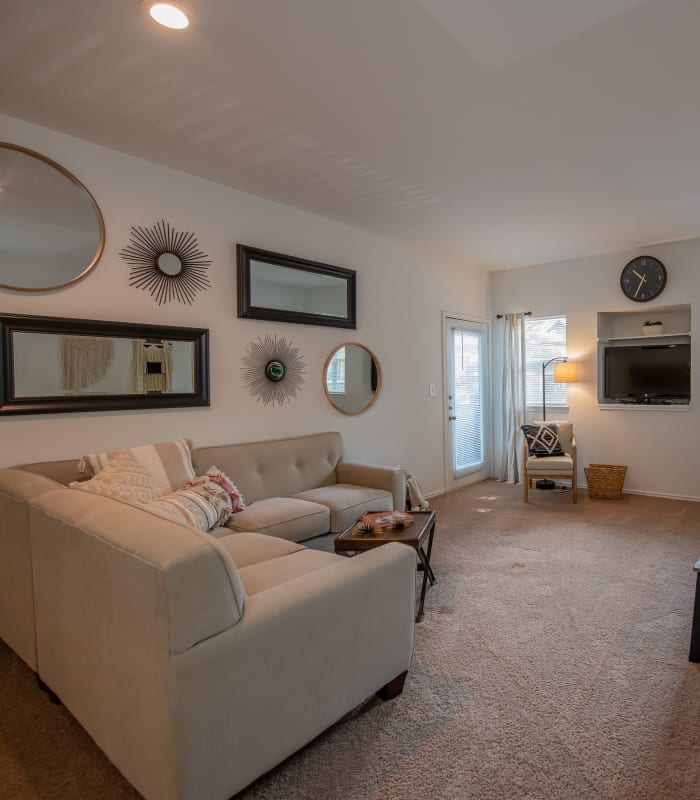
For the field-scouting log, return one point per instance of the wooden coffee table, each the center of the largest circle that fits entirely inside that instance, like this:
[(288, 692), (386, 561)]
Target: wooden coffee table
[(351, 541)]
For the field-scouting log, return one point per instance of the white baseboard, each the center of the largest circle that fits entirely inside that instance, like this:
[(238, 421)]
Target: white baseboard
[(662, 495), (584, 487)]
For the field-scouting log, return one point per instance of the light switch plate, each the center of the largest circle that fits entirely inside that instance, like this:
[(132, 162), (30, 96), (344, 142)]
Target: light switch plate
[(431, 390)]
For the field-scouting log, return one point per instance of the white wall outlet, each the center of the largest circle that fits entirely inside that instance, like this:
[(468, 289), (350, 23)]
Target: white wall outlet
[(432, 390)]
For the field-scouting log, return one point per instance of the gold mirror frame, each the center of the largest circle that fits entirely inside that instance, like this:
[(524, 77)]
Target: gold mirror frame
[(86, 193), (377, 365)]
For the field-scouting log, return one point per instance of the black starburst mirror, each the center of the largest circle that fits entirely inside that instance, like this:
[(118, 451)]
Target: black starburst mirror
[(167, 263)]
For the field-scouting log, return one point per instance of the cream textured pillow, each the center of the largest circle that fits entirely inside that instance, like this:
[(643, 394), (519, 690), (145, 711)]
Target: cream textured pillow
[(169, 463), (202, 503), (124, 478)]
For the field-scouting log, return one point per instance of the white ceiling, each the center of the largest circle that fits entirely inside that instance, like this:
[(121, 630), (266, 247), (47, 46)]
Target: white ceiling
[(504, 131)]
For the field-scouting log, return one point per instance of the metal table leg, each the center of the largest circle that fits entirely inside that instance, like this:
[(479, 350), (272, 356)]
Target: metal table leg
[(427, 572)]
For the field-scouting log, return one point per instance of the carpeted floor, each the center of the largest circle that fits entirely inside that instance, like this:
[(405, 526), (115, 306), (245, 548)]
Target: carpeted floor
[(552, 663)]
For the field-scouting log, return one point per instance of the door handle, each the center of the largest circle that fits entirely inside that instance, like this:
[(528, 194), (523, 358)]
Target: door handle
[(450, 418)]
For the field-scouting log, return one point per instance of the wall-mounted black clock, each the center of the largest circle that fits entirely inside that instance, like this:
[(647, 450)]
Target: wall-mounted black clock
[(643, 279)]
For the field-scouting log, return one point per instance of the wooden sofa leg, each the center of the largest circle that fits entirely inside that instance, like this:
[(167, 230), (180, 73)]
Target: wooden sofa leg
[(574, 486), (393, 688), (53, 697), (526, 486)]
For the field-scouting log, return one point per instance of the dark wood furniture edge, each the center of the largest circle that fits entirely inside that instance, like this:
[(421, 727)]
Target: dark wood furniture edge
[(394, 688), (53, 697), (694, 655)]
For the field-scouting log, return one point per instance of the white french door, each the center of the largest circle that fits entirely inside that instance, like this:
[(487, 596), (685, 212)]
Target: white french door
[(467, 427)]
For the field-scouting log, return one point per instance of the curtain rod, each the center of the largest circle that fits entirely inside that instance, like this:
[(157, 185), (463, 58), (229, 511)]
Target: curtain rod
[(524, 313)]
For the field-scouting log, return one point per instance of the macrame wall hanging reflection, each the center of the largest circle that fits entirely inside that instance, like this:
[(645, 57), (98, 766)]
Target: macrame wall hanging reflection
[(152, 366), (273, 370), (166, 263), (84, 361)]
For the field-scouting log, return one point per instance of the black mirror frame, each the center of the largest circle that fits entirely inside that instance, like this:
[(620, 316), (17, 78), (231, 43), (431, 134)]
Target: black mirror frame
[(246, 254), (11, 323)]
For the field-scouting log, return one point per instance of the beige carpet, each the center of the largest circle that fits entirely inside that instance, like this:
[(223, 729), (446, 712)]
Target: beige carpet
[(552, 663)]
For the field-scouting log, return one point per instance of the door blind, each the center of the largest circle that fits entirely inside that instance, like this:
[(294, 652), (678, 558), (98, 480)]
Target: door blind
[(468, 399)]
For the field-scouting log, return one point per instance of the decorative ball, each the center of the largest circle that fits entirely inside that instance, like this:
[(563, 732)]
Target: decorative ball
[(274, 370)]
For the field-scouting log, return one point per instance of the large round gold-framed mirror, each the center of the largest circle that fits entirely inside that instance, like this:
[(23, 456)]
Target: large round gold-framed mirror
[(352, 378), (51, 228)]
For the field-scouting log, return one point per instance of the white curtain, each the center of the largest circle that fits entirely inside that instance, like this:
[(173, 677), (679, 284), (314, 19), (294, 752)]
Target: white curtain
[(512, 407)]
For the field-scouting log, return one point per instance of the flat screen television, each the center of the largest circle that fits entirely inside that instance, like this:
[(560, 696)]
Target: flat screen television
[(648, 373)]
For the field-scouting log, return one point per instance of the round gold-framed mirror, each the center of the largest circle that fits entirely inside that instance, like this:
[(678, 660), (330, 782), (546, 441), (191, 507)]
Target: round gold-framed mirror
[(52, 230), (352, 378)]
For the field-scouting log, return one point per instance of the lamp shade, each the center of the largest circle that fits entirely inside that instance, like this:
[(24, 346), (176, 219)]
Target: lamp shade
[(565, 372)]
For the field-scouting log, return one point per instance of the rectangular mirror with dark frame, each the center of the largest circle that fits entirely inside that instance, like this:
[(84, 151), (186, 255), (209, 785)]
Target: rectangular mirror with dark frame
[(283, 288), (51, 365)]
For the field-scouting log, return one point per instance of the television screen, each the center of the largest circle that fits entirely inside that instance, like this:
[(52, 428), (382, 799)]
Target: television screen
[(656, 372)]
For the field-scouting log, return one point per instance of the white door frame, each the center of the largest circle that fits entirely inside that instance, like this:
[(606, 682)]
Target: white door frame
[(451, 482)]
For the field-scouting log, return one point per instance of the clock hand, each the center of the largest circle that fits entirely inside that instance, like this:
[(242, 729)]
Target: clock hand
[(643, 281), (644, 277)]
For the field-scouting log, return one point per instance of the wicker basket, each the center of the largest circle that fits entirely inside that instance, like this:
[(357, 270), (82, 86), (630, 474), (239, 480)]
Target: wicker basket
[(605, 480)]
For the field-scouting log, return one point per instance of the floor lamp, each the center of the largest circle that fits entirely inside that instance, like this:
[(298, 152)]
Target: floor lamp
[(565, 371)]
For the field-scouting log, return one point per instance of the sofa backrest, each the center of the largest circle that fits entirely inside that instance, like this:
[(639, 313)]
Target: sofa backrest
[(83, 541), (276, 468), (60, 471)]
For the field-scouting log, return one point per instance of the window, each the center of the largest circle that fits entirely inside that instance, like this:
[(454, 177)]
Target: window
[(335, 376), (545, 338)]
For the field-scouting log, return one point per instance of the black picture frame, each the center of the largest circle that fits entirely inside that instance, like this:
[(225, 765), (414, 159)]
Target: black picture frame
[(246, 310), (12, 323)]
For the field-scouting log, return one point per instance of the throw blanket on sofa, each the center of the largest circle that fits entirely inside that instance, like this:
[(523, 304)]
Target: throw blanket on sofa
[(415, 499)]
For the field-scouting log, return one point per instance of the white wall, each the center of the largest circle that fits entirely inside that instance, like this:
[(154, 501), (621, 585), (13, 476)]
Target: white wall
[(401, 294), (660, 447)]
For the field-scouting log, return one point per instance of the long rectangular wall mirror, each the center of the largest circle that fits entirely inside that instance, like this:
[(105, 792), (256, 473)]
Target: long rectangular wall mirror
[(283, 288), (52, 365)]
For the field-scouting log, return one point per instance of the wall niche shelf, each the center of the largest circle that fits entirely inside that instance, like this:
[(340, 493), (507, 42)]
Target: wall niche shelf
[(685, 335), (617, 325), (623, 329)]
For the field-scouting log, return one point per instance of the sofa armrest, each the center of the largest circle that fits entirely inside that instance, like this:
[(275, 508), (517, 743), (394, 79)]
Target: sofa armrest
[(391, 479), (305, 653), (17, 489)]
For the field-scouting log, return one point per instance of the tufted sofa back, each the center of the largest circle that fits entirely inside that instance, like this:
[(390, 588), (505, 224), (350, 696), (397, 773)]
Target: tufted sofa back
[(276, 468)]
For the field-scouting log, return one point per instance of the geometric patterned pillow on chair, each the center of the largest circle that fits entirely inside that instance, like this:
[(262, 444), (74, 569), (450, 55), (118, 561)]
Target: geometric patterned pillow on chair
[(542, 440)]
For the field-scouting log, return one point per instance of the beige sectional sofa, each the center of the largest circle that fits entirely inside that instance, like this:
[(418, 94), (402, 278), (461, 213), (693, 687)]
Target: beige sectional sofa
[(197, 661)]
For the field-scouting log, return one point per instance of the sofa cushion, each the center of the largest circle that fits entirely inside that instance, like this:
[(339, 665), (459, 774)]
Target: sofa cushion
[(266, 574), (251, 548), (552, 465), (566, 431), (170, 463), (346, 502), (284, 517)]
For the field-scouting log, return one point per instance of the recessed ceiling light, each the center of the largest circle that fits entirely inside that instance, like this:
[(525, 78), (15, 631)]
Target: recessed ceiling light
[(169, 16)]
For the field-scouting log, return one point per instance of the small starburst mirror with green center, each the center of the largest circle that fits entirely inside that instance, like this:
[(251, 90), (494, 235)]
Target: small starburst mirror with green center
[(274, 370)]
